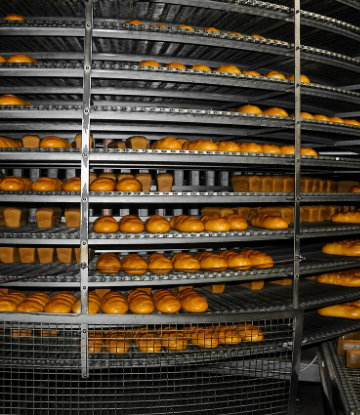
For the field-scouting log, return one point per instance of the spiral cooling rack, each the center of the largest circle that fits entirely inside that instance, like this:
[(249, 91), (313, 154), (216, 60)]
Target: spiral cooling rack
[(89, 81)]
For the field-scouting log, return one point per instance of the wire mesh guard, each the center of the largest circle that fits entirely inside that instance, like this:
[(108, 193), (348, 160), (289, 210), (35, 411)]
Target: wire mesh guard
[(236, 366)]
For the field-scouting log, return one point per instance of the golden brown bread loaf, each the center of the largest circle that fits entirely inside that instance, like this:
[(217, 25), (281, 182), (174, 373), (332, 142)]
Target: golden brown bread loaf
[(15, 184), (159, 264), (345, 248), (93, 304), (251, 148), (250, 333), (131, 224), (148, 343), (285, 212), (134, 264), (105, 224), (78, 141), (92, 177), (2, 216), (10, 302), (16, 217), (137, 142), (72, 218), (168, 143), (166, 302), (47, 184), (267, 221), (217, 211), (145, 180), (31, 141), (46, 255), (48, 217), (254, 285), (6, 142), (353, 359), (348, 278), (348, 217), (116, 144), (157, 224), (236, 261), (186, 224), (258, 259), (215, 288), (54, 142), (140, 302), (9, 254), (344, 186), (129, 185), (227, 334), (201, 145), (164, 182), (34, 304), (116, 342), (215, 224), (204, 338), (192, 302), (173, 339), (282, 281), (102, 184), (211, 262), (28, 255), (111, 176), (65, 255), (236, 222), (185, 262), (355, 189), (61, 303), (95, 342), (347, 310), (114, 303), (245, 183), (10, 99), (108, 263), (229, 147), (72, 185)]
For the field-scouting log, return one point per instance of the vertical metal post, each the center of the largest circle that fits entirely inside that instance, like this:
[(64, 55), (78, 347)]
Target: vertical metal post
[(85, 152), (297, 161)]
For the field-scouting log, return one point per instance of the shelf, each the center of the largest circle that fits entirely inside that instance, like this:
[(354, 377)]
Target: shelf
[(40, 197)]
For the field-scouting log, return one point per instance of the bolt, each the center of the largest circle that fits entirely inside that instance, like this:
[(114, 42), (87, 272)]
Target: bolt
[(87, 67), (84, 287), (84, 243), (84, 199), (85, 155), (88, 25), (299, 198), (86, 110), (84, 331), (298, 160)]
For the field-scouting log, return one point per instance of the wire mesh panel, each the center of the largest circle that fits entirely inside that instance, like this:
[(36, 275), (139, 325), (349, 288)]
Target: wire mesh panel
[(144, 365)]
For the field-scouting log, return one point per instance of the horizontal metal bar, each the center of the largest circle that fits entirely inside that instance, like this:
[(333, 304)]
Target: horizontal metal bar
[(37, 241)]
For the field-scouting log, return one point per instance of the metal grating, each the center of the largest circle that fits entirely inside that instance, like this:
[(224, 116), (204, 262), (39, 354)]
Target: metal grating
[(44, 8), (43, 373)]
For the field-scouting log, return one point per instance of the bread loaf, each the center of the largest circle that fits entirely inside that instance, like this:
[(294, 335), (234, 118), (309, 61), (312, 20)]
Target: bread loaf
[(271, 149), (192, 302), (266, 184), (114, 303), (137, 142), (282, 281), (173, 339), (201, 145), (185, 263), (353, 359), (348, 342), (168, 143), (267, 221), (28, 255), (355, 189), (348, 217), (227, 334), (229, 147), (148, 343), (10, 302), (47, 184), (236, 222), (211, 262), (236, 261), (31, 141), (65, 255), (78, 141), (243, 212), (116, 342), (102, 184), (93, 304), (347, 310), (129, 185), (16, 217), (159, 264), (157, 224), (46, 255), (54, 142), (116, 144), (164, 182), (250, 333), (166, 302), (251, 148), (131, 224), (15, 184), (186, 224), (72, 218), (111, 176), (2, 216), (345, 248), (344, 186), (34, 304), (204, 338), (134, 264), (217, 211), (72, 185), (9, 254), (61, 303), (286, 213), (215, 224), (348, 278), (258, 259), (95, 342), (215, 289), (140, 302), (48, 217), (254, 285), (105, 224), (108, 263), (6, 142), (145, 180)]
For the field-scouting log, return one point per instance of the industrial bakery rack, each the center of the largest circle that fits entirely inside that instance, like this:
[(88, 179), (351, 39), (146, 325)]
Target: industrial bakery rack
[(89, 81)]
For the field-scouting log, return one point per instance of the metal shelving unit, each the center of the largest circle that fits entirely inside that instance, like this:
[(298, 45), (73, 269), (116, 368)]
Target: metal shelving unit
[(89, 82)]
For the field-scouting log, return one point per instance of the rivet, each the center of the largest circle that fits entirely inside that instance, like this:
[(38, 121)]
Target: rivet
[(84, 243), (84, 199), (85, 155), (84, 287)]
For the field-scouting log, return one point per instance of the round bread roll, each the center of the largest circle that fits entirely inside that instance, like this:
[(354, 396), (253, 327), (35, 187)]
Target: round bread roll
[(236, 261), (66, 294), (30, 306), (54, 142), (211, 262), (303, 78), (235, 33), (271, 149), (47, 184), (105, 224), (151, 64), (267, 221), (204, 338), (355, 189), (140, 302), (258, 36), (14, 184), (185, 263), (16, 333), (159, 264), (307, 151), (8, 304), (114, 303), (351, 122), (95, 342), (14, 17), (258, 259), (185, 27), (228, 68), (43, 298), (200, 67), (276, 112), (236, 222), (9, 99), (108, 263), (228, 334), (58, 305), (251, 73), (2, 59), (103, 184), (134, 264), (186, 224), (157, 224), (129, 185), (345, 248), (250, 333), (215, 224), (21, 58), (174, 340), (94, 302), (148, 343), (134, 22), (320, 117), (131, 224), (192, 302), (201, 145), (336, 120), (72, 185), (118, 345), (251, 148), (229, 147), (176, 65), (166, 302), (304, 115), (168, 143), (275, 74)]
